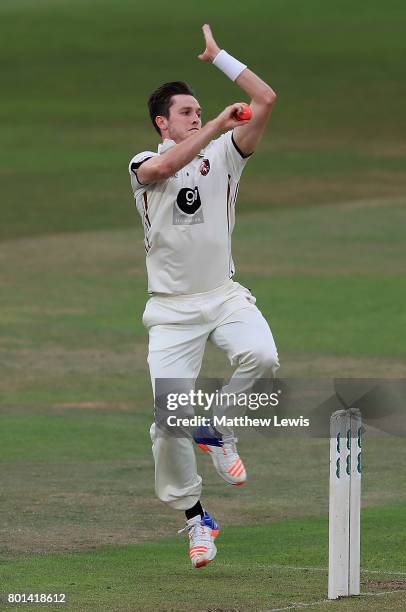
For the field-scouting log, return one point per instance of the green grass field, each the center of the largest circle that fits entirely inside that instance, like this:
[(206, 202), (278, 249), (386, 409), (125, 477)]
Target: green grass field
[(319, 239)]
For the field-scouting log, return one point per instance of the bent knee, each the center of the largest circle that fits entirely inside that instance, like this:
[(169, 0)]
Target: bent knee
[(261, 357), (267, 358)]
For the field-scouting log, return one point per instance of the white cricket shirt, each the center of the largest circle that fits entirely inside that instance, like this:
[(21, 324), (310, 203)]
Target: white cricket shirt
[(189, 218)]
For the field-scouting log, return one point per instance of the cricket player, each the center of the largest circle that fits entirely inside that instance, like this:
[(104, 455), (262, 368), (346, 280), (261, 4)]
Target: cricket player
[(185, 194)]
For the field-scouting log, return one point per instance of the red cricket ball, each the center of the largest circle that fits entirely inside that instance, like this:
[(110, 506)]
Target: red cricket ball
[(244, 113)]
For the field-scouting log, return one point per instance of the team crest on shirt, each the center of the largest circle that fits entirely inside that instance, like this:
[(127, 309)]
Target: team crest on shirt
[(187, 210), (205, 167)]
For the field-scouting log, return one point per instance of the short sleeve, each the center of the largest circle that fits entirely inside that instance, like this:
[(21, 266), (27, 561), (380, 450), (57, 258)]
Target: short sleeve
[(133, 166), (236, 160)]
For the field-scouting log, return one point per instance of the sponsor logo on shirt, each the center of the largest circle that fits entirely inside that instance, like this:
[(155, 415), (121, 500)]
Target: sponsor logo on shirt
[(187, 210)]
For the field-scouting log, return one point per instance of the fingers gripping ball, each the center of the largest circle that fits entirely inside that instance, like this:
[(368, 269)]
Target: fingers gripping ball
[(244, 113)]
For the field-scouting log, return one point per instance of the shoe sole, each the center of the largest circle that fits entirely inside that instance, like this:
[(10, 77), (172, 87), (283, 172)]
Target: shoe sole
[(203, 563)]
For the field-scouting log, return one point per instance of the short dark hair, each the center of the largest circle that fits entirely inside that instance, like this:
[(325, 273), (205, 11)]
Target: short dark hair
[(160, 101)]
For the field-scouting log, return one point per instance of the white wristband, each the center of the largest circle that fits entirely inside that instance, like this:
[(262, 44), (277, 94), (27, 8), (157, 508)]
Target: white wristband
[(228, 64)]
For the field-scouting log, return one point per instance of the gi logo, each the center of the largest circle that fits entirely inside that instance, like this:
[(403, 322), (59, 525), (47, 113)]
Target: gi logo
[(188, 200), (187, 209), (205, 167)]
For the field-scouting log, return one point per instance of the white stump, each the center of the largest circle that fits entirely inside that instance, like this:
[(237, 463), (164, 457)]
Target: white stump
[(345, 503)]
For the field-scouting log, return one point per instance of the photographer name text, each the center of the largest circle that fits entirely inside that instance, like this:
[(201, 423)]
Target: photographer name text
[(239, 421)]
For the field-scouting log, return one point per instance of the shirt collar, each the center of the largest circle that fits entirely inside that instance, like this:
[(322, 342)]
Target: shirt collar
[(168, 144)]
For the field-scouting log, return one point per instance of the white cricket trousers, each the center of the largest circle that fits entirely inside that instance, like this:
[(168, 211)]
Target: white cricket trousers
[(179, 327)]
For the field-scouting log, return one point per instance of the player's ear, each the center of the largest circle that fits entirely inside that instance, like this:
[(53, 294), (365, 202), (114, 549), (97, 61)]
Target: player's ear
[(162, 122)]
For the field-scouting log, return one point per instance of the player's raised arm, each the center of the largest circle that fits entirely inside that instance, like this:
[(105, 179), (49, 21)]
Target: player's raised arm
[(262, 95)]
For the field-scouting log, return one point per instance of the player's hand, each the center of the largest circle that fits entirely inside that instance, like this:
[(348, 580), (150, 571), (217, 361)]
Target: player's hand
[(212, 48), (226, 120)]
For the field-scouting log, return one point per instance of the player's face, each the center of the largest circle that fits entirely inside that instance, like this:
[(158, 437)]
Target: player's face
[(185, 117)]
